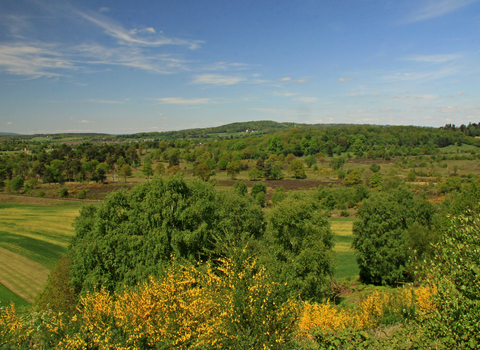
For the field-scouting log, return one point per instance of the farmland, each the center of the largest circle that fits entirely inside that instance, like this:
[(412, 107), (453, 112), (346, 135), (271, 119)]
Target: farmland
[(32, 238)]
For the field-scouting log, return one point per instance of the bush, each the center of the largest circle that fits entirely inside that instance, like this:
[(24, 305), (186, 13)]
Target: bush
[(41, 193), (16, 184), (63, 192), (344, 213), (82, 194)]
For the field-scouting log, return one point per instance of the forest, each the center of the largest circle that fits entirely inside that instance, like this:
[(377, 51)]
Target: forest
[(224, 238)]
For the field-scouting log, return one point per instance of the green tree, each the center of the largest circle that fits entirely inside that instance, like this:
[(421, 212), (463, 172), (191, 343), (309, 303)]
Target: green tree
[(257, 188), (376, 180), (202, 171), (297, 169), (300, 248), (375, 168), (254, 174), (16, 184), (159, 169), (310, 160), (147, 170), (133, 234), (233, 168), (353, 178), (337, 163), (240, 188), (276, 172), (380, 237), (125, 171)]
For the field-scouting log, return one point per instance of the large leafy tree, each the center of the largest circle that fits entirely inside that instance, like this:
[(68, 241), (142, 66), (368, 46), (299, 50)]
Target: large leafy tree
[(300, 246), (392, 227), (132, 235)]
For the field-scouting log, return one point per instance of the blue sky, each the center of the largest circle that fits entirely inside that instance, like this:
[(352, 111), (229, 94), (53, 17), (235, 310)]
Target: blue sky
[(131, 66)]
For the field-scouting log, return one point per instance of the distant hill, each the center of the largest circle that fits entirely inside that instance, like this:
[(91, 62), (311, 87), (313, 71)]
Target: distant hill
[(7, 133)]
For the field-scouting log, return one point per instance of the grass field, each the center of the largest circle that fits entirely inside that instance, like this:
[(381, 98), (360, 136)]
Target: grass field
[(346, 264), (32, 238)]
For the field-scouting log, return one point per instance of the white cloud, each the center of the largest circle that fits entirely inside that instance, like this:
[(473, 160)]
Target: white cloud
[(433, 58), (9, 123), (105, 101), (216, 79), (460, 93), (273, 110), (285, 94), (436, 8), (104, 9), (184, 101), (305, 99), (345, 79), (84, 121), (144, 30), (303, 80), (34, 60), (421, 75), (115, 30)]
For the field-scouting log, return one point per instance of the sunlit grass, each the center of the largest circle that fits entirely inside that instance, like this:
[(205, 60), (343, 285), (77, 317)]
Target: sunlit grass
[(346, 264)]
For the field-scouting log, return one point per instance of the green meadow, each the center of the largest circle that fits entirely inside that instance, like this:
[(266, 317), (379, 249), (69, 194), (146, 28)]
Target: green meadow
[(346, 265), (32, 238)]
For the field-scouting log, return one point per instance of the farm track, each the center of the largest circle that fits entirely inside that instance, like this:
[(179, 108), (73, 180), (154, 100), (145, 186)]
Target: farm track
[(21, 275)]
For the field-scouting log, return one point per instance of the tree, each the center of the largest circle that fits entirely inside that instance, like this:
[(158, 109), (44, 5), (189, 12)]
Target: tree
[(353, 178), (233, 168), (125, 171), (257, 188), (297, 169), (254, 174), (202, 171), (380, 237), (159, 169), (376, 180), (16, 184), (240, 188), (147, 170), (337, 163), (301, 247), (276, 172), (133, 234), (310, 160), (375, 168), (173, 160)]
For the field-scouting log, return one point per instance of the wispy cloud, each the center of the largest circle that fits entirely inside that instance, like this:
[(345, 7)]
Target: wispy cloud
[(34, 60), (106, 101), (433, 58), (345, 79), (84, 121), (284, 94), (305, 99), (184, 101), (9, 123), (421, 75), (115, 30), (104, 9), (217, 79), (436, 8), (149, 30), (303, 80)]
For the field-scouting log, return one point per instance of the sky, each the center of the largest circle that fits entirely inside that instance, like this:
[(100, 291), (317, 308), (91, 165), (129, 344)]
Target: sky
[(123, 67)]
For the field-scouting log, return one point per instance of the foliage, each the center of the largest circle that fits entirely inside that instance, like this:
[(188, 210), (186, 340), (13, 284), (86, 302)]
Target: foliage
[(353, 178), (297, 169), (234, 168), (278, 195), (379, 238), (375, 168), (125, 171), (202, 171), (337, 163), (147, 169), (455, 271), (63, 192), (240, 188), (300, 247), (58, 295), (254, 173), (257, 188), (310, 160), (132, 234), (229, 304), (159, 169), (16, 184)]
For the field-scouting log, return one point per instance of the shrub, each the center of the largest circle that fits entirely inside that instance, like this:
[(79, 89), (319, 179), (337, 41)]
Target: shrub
[(16, 184), (344, 213), (82, 194), (41, 193), (63, 192)]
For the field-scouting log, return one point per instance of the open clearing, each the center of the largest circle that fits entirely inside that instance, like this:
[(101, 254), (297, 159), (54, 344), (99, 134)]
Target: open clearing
[(32, 238), (346, 264)]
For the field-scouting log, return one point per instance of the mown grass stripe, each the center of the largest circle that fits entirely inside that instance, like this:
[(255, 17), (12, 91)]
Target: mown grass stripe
[(21, 275)]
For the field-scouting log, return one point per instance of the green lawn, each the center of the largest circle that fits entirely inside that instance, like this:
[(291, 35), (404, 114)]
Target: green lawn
[(7, 296), (346, 264), (32, 238)]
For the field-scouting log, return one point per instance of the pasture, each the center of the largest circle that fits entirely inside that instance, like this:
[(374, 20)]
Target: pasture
[(32, 238), (346, 265)]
